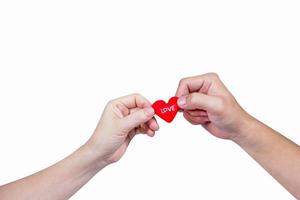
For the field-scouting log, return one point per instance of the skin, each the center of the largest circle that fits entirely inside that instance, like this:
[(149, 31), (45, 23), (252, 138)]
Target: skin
[(121, 120), (205, 101)]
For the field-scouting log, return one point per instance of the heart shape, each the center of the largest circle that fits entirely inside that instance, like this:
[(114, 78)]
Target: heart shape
[(166, 111)]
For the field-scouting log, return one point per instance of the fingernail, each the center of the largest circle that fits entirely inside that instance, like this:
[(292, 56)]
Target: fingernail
[(181, 101), (149, 111)]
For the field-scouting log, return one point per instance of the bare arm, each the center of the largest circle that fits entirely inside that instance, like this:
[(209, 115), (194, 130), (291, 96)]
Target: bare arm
[(59, 181), (278, 155), (122, 119), (206, 101)]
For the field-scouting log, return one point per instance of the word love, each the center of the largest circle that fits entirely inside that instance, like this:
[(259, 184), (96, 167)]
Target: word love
[(166, 111)]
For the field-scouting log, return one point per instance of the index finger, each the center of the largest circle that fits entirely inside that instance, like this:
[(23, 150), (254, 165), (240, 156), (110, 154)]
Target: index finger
[(200, 83), (189, 85), (134, 101)]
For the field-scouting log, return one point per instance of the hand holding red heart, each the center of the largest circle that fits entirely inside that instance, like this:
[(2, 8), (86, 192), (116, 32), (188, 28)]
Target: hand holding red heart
[(206, 101), (121, 120)]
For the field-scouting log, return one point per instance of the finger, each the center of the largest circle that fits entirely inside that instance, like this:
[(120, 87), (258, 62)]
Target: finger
[(124, 111), (190, 119), (136, 119), (134, 101), (201, 101), (196, 120), (132, 110), (195, 84), (145, 130), (197, 113), (149, 132), (152, 124), (188, 85)]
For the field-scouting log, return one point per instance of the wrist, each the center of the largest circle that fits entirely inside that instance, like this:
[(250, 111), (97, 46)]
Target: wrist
[(94, 159), (245, 132)]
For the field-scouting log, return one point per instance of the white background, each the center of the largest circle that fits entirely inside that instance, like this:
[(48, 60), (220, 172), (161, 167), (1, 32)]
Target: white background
[(61, 61)]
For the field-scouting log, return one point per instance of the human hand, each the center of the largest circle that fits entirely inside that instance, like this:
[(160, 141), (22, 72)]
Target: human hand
[(205, 100), (121, 120)]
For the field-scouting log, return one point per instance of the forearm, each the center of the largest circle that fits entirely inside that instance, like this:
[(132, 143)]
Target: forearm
[(275, 153), (57, 182)]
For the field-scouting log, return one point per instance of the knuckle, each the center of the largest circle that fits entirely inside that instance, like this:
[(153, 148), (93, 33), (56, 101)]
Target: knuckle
[(213, 75), (182, 81), (136, 94), (110, 102)]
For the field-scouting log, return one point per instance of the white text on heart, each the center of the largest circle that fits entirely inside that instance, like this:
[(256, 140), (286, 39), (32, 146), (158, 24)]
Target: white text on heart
[(169, 109)]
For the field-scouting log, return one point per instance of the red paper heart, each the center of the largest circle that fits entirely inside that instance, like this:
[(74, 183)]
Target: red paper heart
[(166, 111)]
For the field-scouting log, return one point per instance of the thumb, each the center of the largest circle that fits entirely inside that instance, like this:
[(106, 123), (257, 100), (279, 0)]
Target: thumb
[(199, 100), (137, 118)]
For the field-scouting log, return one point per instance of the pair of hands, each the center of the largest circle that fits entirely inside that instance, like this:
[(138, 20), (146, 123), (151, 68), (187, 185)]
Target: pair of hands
[(204, 100)]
